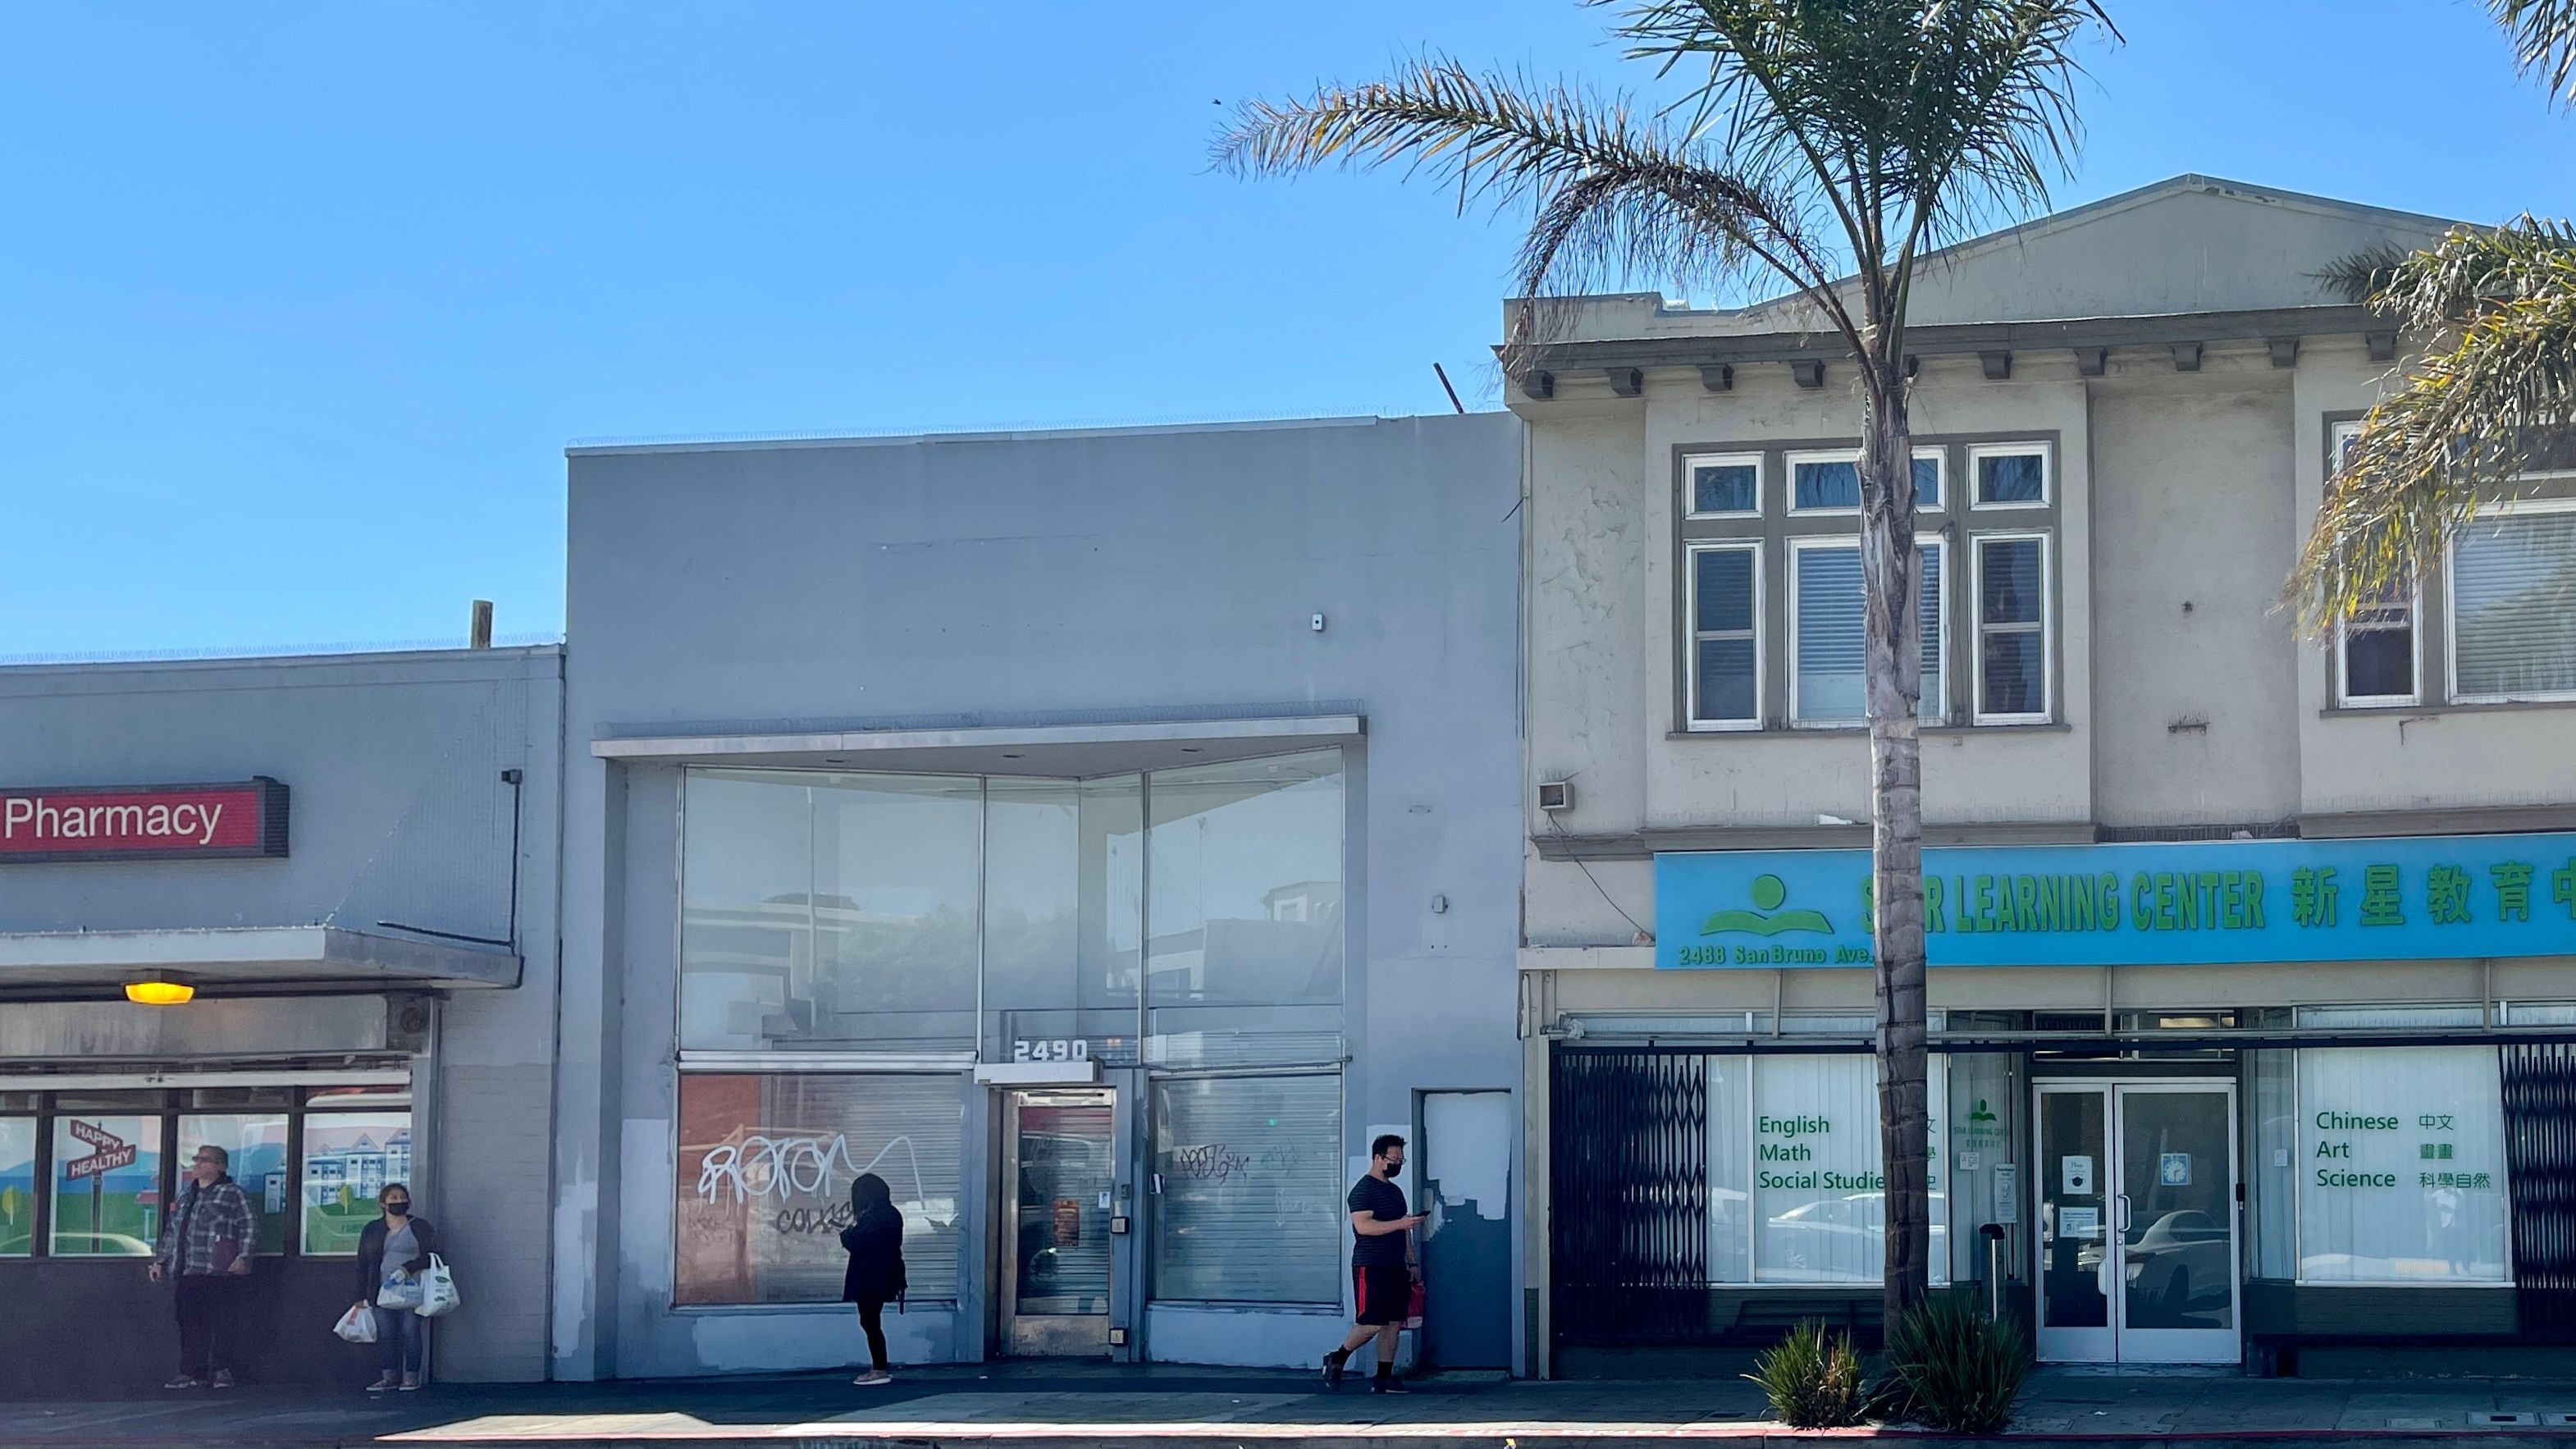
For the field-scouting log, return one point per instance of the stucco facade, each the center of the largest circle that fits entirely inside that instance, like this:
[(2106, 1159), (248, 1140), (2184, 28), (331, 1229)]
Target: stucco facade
[(2172, 360)]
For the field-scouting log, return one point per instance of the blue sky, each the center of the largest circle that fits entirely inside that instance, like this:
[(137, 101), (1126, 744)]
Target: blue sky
[(299, 309)]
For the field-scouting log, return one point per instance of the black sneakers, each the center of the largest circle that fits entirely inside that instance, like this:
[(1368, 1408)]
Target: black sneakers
[(1390, 1385), (1333, 1366)]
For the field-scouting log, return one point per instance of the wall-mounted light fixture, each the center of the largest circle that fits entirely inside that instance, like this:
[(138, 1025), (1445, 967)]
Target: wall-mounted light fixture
[(161, 988)]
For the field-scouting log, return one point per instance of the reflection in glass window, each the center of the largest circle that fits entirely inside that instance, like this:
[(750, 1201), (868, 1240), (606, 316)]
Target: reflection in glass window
[(828, 907), (2402, 1161), (766, 1163), (1251, 1208), (1726, 685), (1927, 478), (256, 1143), (2018, 476), (107, 1186), (348, 1159), (17, 1186), (1724, 486), (1064, 882), (1245, 895), (1821, 483)]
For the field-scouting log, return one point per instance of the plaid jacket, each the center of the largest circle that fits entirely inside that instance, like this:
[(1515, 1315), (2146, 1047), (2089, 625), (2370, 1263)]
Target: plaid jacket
[(219, 1212)]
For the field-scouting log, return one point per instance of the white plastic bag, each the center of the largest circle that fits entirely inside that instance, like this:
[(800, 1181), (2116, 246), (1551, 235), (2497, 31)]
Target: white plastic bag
[(358, 1325), (437, 1289)]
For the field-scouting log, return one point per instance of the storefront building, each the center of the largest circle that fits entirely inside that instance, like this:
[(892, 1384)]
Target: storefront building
[(1099, 836), (2251, 962), (339, 872)]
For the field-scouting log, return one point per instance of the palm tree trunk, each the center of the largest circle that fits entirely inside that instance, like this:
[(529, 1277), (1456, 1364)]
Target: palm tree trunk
[(1894, 663)]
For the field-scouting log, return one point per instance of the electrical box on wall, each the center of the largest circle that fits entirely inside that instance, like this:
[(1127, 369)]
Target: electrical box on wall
[(1556, 795)]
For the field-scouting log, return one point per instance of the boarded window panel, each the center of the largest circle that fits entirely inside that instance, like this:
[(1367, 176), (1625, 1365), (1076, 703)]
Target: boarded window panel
[(766, 1163), (1251, 1209)]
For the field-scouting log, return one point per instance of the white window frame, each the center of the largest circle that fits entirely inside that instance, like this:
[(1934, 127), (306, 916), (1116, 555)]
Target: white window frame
[(2451, 608), (1692, 462), (2047, 474), (1789, 462), (2339, 438), (1923, 543), (1789, 480), (1977, 542), (1691, 635), (1941, 469)]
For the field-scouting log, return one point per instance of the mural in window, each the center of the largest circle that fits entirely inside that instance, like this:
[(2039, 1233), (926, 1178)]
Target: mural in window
[(107, 1186), (256, 1144), (17, 1186), (766, 1163), (348, 1159)]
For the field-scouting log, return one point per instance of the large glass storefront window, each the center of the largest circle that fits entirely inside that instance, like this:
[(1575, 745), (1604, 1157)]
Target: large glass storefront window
[(825, 909), (256, 1145), (1250, 1207), (766, 1163)]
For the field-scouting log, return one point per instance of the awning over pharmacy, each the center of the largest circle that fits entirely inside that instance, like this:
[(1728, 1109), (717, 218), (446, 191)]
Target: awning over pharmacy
[(318, 956)]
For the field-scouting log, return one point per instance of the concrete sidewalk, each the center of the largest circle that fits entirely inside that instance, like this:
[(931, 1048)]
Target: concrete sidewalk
[(1056, 1406)]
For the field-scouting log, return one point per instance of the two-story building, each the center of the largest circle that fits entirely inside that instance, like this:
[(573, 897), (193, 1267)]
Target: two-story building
[(2250, 980)]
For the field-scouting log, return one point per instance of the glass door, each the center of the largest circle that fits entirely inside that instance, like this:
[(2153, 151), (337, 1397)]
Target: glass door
[(2177, 1205), (2076, 1281), (2137, 1223), (1058, 1181)]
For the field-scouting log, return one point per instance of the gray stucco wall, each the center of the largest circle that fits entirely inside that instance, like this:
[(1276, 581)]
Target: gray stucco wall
[(1153, 573), (398, 813)]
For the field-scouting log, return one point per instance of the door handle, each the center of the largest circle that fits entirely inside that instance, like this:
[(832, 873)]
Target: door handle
[(2124, 1212)]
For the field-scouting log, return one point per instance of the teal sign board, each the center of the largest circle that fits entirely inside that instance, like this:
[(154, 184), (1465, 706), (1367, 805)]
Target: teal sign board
[(2118, 905)]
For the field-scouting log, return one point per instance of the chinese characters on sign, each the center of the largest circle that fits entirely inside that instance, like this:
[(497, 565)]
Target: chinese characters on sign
[(2196, 903)]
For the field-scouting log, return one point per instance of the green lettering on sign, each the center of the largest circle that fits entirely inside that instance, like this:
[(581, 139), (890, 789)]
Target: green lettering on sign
[(2380, 905), (2513, 889), (2446, 895)]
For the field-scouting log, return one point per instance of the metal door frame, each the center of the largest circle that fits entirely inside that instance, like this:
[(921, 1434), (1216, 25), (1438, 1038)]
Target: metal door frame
[(2124, 1344), (1047, 1335)]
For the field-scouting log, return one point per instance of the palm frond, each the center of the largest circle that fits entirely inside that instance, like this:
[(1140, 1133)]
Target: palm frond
[(1616, 193), (2544, 40), (2364, 274), (2496, 389)]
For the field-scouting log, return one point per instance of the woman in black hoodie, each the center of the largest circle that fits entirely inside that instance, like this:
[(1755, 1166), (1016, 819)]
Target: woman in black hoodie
[(875, 1276)]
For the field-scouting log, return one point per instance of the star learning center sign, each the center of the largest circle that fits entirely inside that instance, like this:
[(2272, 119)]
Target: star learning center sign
[(2202, 903)]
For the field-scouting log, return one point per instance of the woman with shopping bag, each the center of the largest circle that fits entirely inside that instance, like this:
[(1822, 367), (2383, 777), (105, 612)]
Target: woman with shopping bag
[(394, 1252)]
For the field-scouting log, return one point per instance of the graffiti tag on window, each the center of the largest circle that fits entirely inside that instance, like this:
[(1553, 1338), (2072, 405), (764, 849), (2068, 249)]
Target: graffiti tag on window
[(784, 1167), (1212, 1162)]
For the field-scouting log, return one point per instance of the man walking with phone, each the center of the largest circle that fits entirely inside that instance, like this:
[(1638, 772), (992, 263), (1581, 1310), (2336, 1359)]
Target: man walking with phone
[(1381, 1268)]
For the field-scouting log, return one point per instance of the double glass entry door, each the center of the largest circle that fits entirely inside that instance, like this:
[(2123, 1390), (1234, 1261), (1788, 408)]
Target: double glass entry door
[(2137, 1222), (1059, 1177)]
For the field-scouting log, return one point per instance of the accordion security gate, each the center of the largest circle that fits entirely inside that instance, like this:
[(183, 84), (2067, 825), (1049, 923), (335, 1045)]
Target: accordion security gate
[(2540, 1147), (1629, 1188)]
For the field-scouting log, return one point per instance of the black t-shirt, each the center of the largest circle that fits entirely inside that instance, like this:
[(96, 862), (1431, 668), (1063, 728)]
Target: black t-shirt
[(1383, 1201)]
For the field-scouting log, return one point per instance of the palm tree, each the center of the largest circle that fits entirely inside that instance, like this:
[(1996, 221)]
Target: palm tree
[(1812, 137), (2495, 310)]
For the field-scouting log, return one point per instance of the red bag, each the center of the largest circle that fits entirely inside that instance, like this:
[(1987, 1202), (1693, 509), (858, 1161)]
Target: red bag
[(1413, 1310)]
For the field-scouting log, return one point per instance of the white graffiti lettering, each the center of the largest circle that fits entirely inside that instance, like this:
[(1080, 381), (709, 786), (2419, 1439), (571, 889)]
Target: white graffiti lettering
[(760, 1166)]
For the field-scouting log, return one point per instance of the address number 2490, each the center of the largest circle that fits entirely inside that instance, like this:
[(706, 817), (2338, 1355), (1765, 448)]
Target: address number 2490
[(1051, 1049)]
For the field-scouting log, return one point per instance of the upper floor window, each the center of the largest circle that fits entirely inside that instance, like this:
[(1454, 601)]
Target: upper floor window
[(2375, 649), (1725, 673), (1724, 485), (2513, 605), (1828, 685), (2014, 619), (1828, 481), (2010, 475)]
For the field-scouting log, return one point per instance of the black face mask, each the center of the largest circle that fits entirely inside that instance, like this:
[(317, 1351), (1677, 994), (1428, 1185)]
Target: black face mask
[(398, 1209)]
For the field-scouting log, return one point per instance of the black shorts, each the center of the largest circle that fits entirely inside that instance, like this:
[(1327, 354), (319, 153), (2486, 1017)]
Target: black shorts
[(1384, 1293)]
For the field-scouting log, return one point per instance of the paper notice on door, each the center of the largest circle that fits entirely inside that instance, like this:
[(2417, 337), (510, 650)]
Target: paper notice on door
[(2075, 1222), (2075, 1176), (2173, 1169), (2007, 1193)]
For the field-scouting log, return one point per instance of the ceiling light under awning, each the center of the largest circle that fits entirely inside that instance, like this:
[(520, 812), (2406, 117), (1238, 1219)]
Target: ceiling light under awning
[(161, 988)]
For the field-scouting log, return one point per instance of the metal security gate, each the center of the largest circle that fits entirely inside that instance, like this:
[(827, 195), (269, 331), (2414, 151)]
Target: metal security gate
[(2540, 1152), (1629, 1191)]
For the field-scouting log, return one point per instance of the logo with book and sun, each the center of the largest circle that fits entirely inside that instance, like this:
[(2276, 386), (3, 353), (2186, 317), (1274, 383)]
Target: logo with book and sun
[(1769, 893)]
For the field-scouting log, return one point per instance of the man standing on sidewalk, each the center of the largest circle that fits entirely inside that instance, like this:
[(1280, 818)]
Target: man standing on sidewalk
[(205, 1248), (1381, 1269)]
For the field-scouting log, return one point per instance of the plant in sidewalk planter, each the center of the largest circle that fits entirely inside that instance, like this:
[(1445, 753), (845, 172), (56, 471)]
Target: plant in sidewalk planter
[(1952, 1368), (1812, 1379)]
